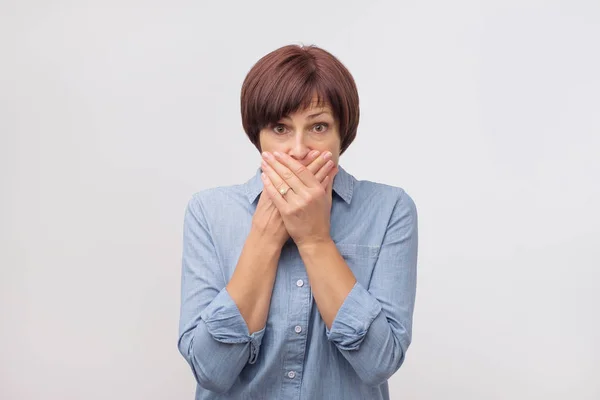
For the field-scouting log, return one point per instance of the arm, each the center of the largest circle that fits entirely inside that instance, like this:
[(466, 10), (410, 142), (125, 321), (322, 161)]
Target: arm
[(213, 331), (251, 285), (331, 280), (372, 328)]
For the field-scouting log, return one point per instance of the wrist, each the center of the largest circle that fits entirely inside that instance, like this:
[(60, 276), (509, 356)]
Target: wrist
[(264, 241), (314, 245)]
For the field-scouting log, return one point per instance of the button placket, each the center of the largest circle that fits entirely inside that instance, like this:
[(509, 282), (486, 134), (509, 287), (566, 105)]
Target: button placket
[(298, 313)]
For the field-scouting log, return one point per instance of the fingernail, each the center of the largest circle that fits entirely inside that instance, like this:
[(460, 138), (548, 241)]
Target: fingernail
[(277, 154), (327, 155), (313, 153)]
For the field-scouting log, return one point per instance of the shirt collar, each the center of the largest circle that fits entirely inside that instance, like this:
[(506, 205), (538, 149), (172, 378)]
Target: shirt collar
[(343, 185)]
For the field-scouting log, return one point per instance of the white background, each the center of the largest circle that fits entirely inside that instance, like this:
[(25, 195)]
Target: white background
[(113, 113)]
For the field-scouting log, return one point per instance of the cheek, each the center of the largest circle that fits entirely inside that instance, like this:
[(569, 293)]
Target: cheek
[(334, 148), (265, 143), (336, 159), (271, 143)]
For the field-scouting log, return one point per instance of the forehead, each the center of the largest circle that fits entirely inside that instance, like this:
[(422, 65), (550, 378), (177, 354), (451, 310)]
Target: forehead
[(315, 106)]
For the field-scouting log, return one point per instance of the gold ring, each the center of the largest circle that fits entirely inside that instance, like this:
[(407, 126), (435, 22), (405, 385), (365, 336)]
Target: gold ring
[(283, 191)]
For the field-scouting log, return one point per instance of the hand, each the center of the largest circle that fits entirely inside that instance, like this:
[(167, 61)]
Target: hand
[(306, 207), (267, 220)]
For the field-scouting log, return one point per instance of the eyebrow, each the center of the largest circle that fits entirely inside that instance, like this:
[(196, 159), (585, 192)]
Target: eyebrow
[(310, 116)]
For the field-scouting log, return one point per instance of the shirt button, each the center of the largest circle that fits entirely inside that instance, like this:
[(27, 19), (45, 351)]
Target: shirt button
[(298, 329), (299, 283), (291, 374)]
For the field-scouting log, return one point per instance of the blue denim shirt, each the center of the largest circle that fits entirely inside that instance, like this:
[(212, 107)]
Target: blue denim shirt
[(295, 356)]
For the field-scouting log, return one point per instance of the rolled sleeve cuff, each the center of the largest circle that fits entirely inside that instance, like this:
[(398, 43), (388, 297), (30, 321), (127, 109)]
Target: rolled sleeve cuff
[(225, 324), (353, 319)]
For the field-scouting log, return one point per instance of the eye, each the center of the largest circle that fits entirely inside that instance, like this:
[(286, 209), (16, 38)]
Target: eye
[(279, 129), (321, 127)]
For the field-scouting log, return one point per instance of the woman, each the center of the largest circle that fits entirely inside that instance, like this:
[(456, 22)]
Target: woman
[(299, 283)]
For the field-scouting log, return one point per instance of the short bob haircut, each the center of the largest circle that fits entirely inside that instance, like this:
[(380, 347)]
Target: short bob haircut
[(285, 81)]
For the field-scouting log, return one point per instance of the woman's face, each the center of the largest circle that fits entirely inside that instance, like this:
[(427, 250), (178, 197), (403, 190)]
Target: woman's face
[(302, 132)]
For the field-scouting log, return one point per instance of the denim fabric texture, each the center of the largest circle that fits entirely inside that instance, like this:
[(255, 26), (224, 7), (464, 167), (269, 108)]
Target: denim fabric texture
[(295, 356)]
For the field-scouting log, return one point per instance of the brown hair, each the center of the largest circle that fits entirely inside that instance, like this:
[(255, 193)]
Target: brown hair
[(285, 81)]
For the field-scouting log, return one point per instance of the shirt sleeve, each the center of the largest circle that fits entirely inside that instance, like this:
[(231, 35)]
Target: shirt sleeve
[(373, 328), (213, 336)]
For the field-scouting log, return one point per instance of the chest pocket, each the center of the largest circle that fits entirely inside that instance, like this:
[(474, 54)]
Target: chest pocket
[(361, 260)]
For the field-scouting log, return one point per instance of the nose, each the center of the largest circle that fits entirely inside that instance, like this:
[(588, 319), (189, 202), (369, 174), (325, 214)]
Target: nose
[(299, 149)]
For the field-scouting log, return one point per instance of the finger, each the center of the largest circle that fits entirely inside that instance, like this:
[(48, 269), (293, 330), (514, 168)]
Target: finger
[(311, 157), (265, 201), (319, 168), (274, 178), (296, 175), (325, 170), (303, 174), (273, 193), (314, 164)]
